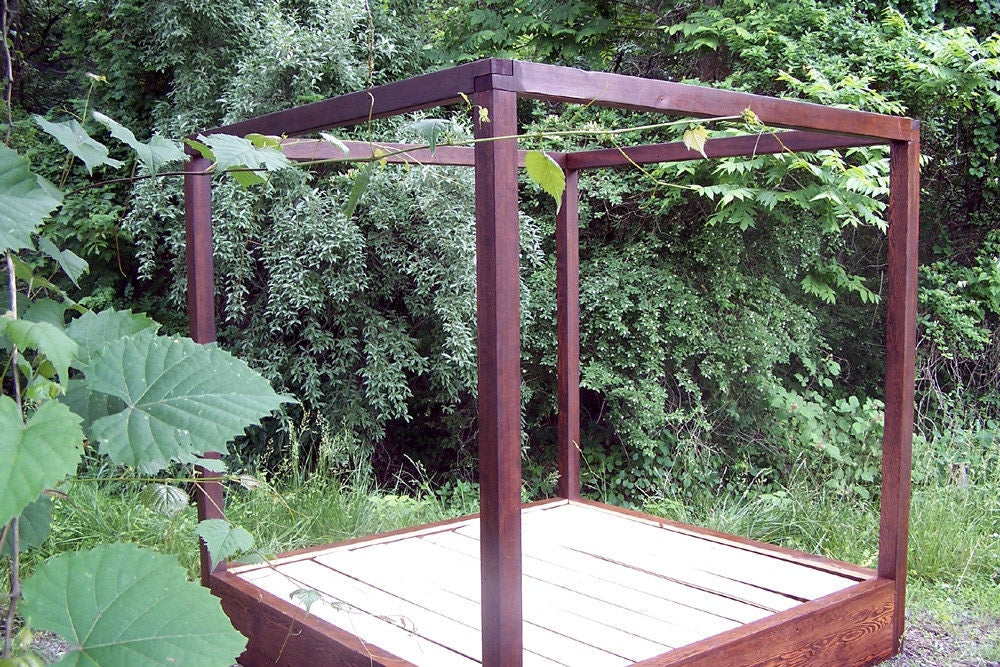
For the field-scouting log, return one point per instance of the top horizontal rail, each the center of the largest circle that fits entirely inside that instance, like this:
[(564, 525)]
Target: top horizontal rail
[(420, 92), (565, 84)]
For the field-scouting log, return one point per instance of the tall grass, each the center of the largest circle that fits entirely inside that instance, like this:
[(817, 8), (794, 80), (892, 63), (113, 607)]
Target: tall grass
[(954, 531)]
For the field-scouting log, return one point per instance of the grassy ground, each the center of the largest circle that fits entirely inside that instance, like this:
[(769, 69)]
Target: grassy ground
[(954, 583)]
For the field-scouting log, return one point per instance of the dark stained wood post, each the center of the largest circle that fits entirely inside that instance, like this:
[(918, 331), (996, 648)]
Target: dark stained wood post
[(568, 332), (904, 212), (201, 314), (499, 350)]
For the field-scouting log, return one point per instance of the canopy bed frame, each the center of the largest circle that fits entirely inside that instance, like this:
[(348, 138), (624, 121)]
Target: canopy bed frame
[(570, 581)]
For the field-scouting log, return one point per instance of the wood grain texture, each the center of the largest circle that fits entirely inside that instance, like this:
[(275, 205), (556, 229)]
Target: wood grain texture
[(201, 320), (901, 313), (568, 335), (309, 150), (763, 144), (564, 84), (851, 627), (391, 99), (499, 354), (280, 633)]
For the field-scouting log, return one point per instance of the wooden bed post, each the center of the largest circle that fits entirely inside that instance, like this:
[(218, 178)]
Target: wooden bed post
[(904, 211), (568, 326), (499, 351), (201, 314)]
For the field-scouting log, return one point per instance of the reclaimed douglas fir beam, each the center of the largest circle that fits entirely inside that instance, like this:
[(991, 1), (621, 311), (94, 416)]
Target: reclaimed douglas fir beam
[(565, 84), (900, 346), (201, 320), (568, 336), (308, 150), (391, 99), (740, 146), (499, 352)]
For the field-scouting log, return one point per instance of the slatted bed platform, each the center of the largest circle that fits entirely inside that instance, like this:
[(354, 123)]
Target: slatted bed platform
[(601, 587), (569, 581)]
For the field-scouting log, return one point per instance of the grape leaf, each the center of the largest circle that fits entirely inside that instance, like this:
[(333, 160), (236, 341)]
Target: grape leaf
[(158, 152), (223, 539), (25, 200), (431, 130), (117, 604), (235, 153), (72, 264), (32, 526), (35, 455), (164, 499), (75, 139), (92, 331), (695, 137), (48, 339), (180, 398), (544, 171)]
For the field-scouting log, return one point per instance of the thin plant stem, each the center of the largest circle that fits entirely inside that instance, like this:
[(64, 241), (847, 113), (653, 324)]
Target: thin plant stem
[(15, 588), (12, 287), (8, 84)]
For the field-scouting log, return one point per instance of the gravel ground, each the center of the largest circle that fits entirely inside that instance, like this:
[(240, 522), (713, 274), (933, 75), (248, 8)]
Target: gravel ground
[(967, 641)]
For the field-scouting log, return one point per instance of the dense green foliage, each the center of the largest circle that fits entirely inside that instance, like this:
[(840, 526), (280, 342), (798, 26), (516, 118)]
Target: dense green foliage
[(728, 307), (731, 330)]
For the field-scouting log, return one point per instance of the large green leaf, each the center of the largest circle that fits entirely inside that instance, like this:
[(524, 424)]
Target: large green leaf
[(92, 331), (25, 200), (223, 539), (32, 526), (72, 264), (89, 404), (117, 604), (181, 398), (544, 171), (153, 155), (35, 455), (432, 130), (234, 153), (75, 139), (46, 310), (48, 339)]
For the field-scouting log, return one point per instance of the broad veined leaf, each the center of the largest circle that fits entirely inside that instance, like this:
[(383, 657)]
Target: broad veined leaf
[(158, 152), (695, 137), (202, 149), (234, 153), (35, 455), (72, 264), (25, 200), (48, 339), (264, 140), (32, 526), (223, 539), (88, 404), (75, 139), (544, 171), (164, 499), (180, 398), (306, 596), (46, 310), (92, 331), (117, 604), (432, 130)]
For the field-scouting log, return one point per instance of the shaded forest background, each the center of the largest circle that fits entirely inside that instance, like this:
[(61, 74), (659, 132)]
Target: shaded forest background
[(732, 323)]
